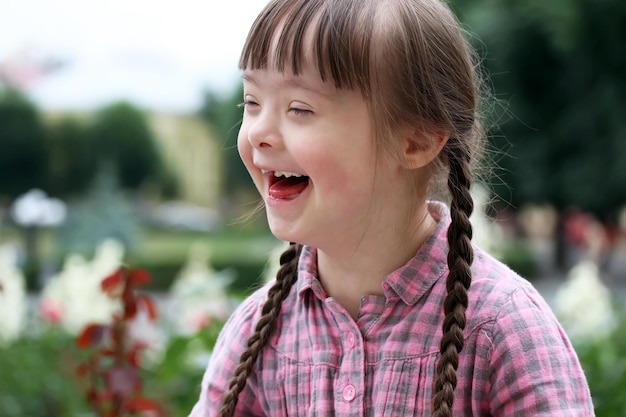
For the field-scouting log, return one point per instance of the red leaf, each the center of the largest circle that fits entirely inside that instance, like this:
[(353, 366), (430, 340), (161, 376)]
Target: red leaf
[(92, 335), (133, 358), (91, 396), (83, 369), (139, 277), (105, 396), (113, 284), (108, 353), (97, 398), (130, 307), (139, 404), (118, 334), (138, 347), (150, 306)]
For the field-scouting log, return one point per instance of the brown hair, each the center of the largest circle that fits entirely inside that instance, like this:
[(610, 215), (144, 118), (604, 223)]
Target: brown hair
[(411, 62)]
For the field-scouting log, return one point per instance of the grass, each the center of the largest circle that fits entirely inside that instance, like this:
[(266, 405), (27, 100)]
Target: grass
[(245, 253), (243, 248), (168, 245), (229, 245)]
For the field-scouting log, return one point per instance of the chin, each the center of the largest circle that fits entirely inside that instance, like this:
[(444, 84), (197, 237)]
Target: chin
[(283, 235), (284, 232)]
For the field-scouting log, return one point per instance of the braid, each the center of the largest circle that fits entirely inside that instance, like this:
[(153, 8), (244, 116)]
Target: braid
[(285, 278), (460, 258)]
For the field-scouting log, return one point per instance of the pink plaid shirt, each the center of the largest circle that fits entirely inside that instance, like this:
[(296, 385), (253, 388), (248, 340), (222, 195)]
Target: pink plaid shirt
[(517, 360)]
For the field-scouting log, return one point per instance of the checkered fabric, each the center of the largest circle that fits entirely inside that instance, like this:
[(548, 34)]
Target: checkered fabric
[(517, 360)]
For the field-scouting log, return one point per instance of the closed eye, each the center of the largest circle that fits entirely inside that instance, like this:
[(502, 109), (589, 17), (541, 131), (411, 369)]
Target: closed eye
[(300, 112), (247, 103)]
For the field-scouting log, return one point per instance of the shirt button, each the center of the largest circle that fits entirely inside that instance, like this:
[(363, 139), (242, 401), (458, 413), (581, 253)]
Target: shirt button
[(350, 340), (349, 393)]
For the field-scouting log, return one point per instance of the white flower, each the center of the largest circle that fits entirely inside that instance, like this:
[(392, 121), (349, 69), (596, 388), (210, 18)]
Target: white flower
[(584, 305), (74, 297), (12, 296), (35, 208), (143, 330), (199, 293)]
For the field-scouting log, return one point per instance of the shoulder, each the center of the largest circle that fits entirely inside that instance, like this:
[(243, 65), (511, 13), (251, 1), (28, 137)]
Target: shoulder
[(497, 291), (233, 337), (526, 359)]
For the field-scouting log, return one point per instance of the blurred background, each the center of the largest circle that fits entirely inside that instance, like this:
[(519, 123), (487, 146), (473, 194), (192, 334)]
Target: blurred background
[(118, 122), (123, 113)]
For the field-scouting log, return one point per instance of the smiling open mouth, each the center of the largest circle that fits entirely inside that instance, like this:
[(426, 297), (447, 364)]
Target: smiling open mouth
[(286, 185)]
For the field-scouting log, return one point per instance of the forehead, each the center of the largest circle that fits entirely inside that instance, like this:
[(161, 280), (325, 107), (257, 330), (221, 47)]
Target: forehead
[(327, 36), (307, 81), (284, 44), (292, 55)]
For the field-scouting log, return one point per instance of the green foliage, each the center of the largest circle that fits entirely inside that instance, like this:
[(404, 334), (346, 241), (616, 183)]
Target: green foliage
[(604, 363), (518, 256), (242, 253), (121, 138), (180, 372), (246, 272), (560, 69), (37, 378), (71, 159), (224, 115), (23, 149), (62, 158), (39, 375)]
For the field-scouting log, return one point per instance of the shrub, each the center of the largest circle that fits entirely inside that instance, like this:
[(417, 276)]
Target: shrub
[(604, 363)]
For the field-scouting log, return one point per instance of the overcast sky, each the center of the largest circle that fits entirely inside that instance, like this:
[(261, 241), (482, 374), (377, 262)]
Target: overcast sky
[(159, 54)]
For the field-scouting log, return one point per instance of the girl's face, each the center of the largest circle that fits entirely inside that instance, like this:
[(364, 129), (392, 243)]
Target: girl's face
[(310, 150)]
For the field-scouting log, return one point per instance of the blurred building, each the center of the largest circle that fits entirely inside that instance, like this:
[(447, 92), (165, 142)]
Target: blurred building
[(188, 147), (194, 154), (169, 95)]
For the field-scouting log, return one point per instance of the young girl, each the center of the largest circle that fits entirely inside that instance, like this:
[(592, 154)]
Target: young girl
[(382, 307)]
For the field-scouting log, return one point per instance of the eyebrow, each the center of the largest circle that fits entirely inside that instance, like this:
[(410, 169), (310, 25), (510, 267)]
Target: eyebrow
[(292, 82)]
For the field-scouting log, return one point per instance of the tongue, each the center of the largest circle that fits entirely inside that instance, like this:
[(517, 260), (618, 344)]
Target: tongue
[(288, 188)]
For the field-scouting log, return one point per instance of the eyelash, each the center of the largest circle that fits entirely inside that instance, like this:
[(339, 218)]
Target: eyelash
[(300, 112), (245, 103), (295, 110)]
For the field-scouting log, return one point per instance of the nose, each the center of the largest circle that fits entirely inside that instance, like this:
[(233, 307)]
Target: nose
[(263, 131)]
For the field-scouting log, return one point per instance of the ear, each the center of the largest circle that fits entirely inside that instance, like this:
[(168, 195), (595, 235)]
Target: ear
[(421, 148)]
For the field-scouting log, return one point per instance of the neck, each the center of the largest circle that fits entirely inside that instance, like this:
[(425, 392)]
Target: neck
[(349, 272)]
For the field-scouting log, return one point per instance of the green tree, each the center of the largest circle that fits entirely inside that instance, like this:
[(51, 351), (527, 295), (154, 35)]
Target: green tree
[(224, 115), (71, 159), (560, 68), (23, 150), (122, 138)]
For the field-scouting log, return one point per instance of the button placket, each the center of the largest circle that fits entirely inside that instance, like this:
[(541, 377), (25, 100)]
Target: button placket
[(351, 377)]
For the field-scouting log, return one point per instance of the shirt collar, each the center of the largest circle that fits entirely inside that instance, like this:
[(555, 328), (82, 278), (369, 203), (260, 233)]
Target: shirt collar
[(307, 273), (409, 282), (413, 280)]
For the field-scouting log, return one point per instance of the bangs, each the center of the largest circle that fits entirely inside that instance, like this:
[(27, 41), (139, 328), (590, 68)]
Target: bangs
[(286, 29)]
